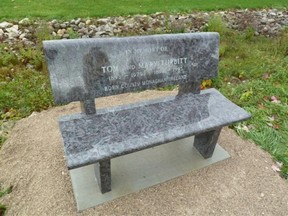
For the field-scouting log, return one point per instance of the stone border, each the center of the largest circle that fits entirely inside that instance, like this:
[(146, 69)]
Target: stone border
[(268, 22)]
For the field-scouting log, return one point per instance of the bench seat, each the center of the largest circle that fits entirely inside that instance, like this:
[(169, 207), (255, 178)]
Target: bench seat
[(125, 129)]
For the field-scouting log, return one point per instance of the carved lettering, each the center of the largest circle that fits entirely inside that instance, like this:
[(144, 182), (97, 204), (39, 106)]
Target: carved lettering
[(109, 69), (146, 50)]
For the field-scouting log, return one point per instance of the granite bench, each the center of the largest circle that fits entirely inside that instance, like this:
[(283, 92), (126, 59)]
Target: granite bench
[(85, 69)]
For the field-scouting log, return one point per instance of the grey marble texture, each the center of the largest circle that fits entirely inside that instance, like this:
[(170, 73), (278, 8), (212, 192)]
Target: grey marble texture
[(83, 69), (125, 129), (103, 175), (205, 142)]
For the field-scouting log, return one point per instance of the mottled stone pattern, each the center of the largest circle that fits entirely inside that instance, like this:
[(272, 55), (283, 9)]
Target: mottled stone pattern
[(103, 175), (205, 142), (83, 69), (135, 122), (88, 106), (122, 130)]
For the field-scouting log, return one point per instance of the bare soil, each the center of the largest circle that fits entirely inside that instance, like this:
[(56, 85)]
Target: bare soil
[(32, 160)]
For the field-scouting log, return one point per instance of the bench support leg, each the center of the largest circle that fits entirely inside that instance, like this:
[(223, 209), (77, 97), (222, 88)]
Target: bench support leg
[(205, 143), (103, 175)]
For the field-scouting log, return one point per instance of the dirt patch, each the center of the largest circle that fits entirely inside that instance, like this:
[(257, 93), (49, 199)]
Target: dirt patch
[(32, 160)]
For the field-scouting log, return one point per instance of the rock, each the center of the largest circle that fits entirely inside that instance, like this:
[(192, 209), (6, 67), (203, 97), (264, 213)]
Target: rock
[(2, 36), (267, 22), (88, 22), (83, 31), (81, 25), (29, 36), (63, 25), (108, 28), (54, 21), (92, 27), (264, 20), (102, 21), (56, 26), (4, 25), (272, 14), (25, 21), (284, 22), (91, 33), (22, 36), (12, 32), (271, 20), (61, 32), (85, 36), (77, 21), (100, 33), (28, 43)]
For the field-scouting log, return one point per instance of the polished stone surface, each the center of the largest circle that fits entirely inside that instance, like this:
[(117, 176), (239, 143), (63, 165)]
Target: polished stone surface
[(143, 169), (205, 142), (83, 69), (103, 175), (121, 130)]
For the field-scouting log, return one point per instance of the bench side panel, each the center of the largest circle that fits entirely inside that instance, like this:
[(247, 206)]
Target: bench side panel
[(83, 69)]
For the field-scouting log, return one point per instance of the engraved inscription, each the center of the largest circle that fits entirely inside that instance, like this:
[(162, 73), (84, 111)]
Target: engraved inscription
[(145, 67), (93, 68), (146, 50)]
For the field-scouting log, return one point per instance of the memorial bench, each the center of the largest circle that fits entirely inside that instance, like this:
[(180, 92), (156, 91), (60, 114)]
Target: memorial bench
[(85, 69)]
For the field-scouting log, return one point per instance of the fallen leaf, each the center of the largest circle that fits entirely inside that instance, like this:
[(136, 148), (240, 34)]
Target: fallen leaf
[(279, 164), (274, 99), (266, 76), (246, 95), (275, 168), (245, 128), (261, 106)]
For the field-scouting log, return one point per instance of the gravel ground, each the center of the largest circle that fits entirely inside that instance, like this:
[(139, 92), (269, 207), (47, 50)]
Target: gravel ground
[(32, 160)]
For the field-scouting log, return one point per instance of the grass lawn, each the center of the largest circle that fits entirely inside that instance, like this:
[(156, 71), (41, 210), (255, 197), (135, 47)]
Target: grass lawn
[(253, 74), (253, 70), (97, 8)]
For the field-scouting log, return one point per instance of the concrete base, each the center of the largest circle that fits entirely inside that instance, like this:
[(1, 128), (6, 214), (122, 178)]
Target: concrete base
[(133, 172)]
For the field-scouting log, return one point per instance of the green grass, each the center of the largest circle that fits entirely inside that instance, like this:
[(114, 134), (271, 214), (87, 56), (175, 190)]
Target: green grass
[(24, 85), (98, 8), (3, 192), (254, 74)]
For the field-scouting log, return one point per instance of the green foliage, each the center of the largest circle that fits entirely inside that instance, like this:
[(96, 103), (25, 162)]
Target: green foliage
[(43, 33), (6, 191), (253, 74), (24, 84), (102, 8), (3, 208), (72, 33), (28, 91), (2, 140), (249, 33), (216, 24)]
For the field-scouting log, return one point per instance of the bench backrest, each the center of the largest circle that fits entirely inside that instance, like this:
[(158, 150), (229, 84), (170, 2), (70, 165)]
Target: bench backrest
[(84, 69)]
